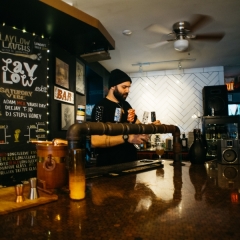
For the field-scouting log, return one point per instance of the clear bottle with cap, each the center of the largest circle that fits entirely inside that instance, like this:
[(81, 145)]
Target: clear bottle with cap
[(184, 142)]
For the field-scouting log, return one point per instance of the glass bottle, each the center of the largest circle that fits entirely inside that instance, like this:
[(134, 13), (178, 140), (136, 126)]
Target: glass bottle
[(197, 151), (214, 132), (208, 133), (153, 116), (218, 132), (184, 142), (157, 140)]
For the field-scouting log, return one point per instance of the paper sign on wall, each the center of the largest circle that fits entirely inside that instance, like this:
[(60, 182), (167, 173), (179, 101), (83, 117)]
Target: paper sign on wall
[(63, 95)]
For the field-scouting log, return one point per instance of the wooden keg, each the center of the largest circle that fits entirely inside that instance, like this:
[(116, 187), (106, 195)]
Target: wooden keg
[(51, 165)]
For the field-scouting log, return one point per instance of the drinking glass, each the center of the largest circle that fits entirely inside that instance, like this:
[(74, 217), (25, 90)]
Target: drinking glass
[(160, 150)]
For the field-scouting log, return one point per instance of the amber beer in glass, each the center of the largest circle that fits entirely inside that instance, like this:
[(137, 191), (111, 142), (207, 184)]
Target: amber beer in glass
[(159, 150), (77, 182)]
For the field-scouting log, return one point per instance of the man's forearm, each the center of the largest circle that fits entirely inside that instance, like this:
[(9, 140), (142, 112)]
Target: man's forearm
[(103, 141)]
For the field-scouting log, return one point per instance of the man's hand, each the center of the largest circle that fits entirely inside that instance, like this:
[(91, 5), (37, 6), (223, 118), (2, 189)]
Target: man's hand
[(157, 122), (138, 138)]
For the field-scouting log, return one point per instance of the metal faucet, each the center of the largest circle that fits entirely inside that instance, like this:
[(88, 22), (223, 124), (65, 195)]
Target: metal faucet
[(76, 134)]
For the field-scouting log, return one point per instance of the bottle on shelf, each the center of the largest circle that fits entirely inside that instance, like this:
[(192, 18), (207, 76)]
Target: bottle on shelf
[(213, 133), (157, 140), (208, 133), (218, 132), (184, 142), (212, 111)]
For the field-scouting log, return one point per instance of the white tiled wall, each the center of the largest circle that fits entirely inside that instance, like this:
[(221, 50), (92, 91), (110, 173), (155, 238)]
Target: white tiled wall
[(174, 95)]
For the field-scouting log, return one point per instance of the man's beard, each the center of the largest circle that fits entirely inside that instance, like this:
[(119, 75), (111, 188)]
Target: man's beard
[(119, 96)]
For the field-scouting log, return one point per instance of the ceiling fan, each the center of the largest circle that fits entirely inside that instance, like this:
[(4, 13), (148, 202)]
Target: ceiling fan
[(183, 31)]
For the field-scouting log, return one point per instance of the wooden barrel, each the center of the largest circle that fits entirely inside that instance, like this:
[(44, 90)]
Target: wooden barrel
[(51, 165)]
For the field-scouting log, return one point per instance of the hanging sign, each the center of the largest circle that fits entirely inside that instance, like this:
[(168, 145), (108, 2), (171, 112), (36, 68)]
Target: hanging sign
[(63, 95)]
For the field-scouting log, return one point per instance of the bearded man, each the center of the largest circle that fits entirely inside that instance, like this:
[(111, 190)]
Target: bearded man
[(116, 149)]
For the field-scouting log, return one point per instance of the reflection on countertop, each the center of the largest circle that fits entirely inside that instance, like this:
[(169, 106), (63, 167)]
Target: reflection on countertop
[(170, 202)]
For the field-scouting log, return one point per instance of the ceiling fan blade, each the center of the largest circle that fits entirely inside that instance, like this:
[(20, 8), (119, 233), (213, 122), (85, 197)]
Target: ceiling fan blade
[(209, 37), (158, 44), (157, 29), (198, 21)]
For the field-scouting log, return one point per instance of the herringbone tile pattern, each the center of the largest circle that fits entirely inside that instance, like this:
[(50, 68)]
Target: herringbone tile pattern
[(174, 97)]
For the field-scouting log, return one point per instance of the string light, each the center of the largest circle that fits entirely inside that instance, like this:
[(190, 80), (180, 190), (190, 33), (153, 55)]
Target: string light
[(47, 122), (42, 36), (23, 30)]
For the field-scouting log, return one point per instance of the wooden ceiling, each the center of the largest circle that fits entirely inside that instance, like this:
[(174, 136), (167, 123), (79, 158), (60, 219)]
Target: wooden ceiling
[(70, 28)]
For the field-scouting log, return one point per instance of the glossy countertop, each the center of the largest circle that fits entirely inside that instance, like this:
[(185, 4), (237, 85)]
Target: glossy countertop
[(169, 202)]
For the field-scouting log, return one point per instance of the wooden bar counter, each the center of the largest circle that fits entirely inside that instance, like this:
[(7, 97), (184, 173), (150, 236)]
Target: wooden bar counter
[(165, 202)]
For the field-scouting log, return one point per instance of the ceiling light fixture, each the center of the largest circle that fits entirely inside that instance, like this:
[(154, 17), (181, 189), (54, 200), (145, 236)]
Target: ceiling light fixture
[(127, 32), (181, 45), (177, 60), (179, 66)]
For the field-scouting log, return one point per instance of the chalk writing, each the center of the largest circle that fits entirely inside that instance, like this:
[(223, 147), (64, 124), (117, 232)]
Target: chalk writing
[(15, 162), (18, 73)]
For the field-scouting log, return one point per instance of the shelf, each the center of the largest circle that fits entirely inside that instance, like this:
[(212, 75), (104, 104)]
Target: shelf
[(151, 154)]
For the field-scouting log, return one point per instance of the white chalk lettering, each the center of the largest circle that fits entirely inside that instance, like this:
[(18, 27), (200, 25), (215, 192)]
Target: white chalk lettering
[(6, 101), (20, 114), (12, 108), (41, 89), (35, 115), (17, 74), (31, 104)]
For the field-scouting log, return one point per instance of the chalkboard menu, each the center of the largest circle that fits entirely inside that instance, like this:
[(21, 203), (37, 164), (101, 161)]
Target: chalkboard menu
[(23, 103)]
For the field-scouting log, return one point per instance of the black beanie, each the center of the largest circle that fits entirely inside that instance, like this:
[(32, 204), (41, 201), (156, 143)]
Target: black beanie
[(116, 77)]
